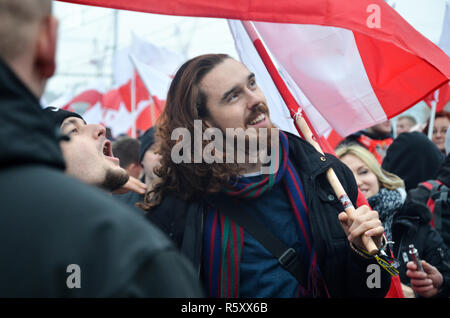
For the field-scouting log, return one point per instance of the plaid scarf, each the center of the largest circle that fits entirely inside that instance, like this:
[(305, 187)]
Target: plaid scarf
[(224, 239), (387, 203)]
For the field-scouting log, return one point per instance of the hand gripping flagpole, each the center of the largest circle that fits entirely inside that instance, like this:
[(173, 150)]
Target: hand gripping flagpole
[(304, 127)]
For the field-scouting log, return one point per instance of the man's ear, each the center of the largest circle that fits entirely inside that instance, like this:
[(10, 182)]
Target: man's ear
[(46, 47)]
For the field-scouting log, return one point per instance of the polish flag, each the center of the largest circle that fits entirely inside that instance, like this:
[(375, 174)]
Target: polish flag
[(440, 96), (90, 96), (359, 63), (117, 109), (152, 67)]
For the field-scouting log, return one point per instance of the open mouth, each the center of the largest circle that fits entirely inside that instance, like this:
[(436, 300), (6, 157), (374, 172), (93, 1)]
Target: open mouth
[(107, 151), (259, 119)]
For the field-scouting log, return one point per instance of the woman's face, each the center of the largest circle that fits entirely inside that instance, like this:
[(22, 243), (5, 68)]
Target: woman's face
[(440, 128), (365, 179)]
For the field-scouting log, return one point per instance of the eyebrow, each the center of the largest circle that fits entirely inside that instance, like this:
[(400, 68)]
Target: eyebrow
[(70, 121), (235, 88)]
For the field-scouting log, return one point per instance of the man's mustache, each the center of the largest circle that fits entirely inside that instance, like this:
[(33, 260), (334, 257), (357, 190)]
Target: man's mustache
[(257, 110)]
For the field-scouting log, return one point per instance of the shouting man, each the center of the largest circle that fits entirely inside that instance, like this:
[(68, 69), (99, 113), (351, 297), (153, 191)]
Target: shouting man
[(88, 153)]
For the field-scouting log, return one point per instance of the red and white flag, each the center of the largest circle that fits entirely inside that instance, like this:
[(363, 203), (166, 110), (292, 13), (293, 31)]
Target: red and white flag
[(90, 97), (440, 96), (358, 62), (117, 108), (132, 105)]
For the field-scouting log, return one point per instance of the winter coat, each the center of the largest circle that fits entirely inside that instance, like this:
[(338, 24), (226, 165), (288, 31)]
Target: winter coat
[(422, 194), (344, 271), (62, 238)]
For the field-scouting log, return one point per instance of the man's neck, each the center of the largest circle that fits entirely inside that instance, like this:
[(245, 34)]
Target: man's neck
[(27, 76)]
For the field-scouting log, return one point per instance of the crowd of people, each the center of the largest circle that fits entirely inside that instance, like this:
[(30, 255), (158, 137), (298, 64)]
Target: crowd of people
[(138, 223)]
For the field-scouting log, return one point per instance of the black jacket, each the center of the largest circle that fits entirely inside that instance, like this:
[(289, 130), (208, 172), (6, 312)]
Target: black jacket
[(422, 194), (344, 271), (411, 225), (444, 171), (50, 221)]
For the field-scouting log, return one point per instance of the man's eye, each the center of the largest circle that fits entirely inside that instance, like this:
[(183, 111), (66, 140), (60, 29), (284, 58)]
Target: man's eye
[(252, 83), (233, 96), (73, 131)]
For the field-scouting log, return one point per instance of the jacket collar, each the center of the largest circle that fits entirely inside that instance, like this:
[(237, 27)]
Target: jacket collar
[(26, 134), (312, 162)]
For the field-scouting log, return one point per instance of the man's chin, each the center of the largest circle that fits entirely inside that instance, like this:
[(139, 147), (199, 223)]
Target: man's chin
[(115, 178)]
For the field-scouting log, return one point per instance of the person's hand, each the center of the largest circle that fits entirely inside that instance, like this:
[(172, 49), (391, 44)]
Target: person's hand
[(132, 184), (364, 221), (408, 292), (427, 283)]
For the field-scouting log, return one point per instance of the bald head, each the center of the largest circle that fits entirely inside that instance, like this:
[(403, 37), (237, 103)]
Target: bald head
[(18, 22), (28, 40)]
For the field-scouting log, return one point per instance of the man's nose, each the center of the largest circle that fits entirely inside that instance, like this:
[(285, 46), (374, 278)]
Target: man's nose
[(97, 130), (253, 98)]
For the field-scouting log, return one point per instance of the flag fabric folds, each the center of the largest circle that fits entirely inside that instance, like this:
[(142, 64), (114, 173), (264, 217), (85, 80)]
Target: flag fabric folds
[(358, 62)]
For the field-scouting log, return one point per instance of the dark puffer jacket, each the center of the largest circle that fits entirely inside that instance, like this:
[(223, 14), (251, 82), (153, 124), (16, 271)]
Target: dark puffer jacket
[(50, 221)]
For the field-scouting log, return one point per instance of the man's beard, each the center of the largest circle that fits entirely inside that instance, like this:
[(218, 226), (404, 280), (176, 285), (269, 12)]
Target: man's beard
[(114, 179)]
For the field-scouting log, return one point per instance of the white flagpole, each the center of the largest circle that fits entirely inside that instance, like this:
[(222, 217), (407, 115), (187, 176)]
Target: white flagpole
[(432, 114), (133, 105)]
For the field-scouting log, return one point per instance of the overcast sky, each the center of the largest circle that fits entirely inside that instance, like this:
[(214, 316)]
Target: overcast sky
[(86, 38)]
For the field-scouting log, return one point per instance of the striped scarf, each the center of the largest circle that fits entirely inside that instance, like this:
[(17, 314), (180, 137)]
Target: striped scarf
[(224, 239)]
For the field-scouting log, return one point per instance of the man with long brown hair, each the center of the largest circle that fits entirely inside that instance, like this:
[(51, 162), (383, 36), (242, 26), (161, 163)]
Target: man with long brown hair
[(201, 197)]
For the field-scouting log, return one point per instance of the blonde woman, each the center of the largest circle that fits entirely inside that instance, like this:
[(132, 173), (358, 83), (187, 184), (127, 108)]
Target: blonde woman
[(405, 222)]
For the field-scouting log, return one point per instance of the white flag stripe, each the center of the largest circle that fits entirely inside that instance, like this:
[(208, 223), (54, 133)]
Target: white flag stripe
[(156, 82), (94, 114), (321, 126), (325, 63)]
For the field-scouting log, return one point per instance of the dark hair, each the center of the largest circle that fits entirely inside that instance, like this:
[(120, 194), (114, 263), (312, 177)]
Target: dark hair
[(127, 150), (186, 103), (441, 114)]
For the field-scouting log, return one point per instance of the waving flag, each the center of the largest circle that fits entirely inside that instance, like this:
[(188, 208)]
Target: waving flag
[(152, 67), (440, 96), (117, 108), (358, 62)]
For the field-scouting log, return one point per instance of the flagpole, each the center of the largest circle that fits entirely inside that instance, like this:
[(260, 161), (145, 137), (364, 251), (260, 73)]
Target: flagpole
[(432, 117), (303, 125), (133, 105)]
